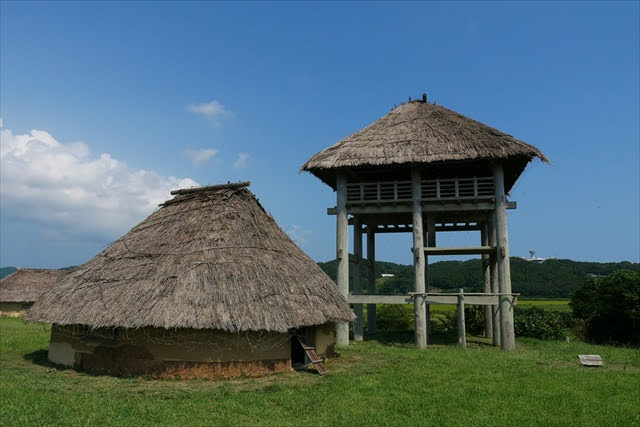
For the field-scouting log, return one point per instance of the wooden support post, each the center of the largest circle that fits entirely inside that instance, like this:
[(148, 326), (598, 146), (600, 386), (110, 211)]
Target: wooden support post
[(418, 261), (493, 270), (371, 284), (342, 249), (486, 278), (507, 339), (462, 333), (358, 326), (431, 242)]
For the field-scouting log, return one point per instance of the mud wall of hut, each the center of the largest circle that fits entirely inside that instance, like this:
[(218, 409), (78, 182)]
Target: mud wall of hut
[(186, 353)]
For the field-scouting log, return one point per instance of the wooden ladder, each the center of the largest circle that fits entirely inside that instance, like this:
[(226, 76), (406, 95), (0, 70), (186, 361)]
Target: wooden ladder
[(313, 356)]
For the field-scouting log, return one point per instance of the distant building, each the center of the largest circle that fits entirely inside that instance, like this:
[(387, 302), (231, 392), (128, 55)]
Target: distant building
[(534, 258), (20, 289)]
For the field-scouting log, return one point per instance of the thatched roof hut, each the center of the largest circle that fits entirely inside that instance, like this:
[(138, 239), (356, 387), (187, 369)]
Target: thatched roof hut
[(21, 288), (209, 261), (421, 133), (424, 169)]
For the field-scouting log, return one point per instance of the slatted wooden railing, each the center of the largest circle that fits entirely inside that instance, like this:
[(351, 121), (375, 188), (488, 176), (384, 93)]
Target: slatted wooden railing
[(432, 189)]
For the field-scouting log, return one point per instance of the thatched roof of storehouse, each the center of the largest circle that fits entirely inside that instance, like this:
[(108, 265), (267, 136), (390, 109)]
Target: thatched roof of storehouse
[(418, 132), (27, 284), (210, 258)]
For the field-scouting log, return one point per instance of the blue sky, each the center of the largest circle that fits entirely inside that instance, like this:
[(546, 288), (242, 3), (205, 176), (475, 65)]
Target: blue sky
[(107, 106)]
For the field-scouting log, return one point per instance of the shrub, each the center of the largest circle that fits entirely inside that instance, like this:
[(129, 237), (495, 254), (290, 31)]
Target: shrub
[(474, 319), (535, 322), (392, 317), (608, 309)]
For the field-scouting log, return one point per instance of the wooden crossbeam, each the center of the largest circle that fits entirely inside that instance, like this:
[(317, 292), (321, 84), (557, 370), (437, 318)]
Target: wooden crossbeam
[(430, 298), (449, 206), (462, 250)]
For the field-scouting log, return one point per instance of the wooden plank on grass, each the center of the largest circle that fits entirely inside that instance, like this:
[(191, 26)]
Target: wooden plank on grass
[(590, 359)]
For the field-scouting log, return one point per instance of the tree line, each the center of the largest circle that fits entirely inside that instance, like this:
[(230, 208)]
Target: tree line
[(553, 278)]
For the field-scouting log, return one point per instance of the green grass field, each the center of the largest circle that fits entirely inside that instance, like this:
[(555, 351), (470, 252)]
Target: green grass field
[(384, 382)]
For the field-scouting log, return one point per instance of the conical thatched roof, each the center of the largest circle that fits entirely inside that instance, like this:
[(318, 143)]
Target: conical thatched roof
[(210, 258), (27, 284), (418, 132)]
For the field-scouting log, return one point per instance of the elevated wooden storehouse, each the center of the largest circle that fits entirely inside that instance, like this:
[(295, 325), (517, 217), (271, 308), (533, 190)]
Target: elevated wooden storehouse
[(208, 285), (20, 289), (424, 169)]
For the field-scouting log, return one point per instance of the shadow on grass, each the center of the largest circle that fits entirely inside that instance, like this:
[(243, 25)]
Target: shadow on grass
[(437, 337), (41, 358)]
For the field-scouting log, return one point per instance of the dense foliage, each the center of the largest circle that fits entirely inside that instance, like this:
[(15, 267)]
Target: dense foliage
[(394, 317), (535, 322), (554, 278), (608, 309)]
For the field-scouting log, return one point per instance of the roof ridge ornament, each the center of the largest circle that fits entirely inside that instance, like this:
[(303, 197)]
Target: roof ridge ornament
[(228, 185)]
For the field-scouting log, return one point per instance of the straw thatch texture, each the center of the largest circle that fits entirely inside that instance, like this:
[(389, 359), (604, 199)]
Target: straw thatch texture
[(209, 259), (27, 284), (420, 133)]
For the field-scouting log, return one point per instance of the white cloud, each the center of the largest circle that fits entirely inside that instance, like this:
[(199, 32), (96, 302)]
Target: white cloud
[(200, 157), (62, 188), (241, 161), (298, 234), (213, 111)]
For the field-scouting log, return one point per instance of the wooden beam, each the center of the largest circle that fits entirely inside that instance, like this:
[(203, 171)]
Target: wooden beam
[(342, 249), (507, 340), (418, 260), (380, 299), (431, 298), (493, 270), (406, 208), (431, 242), (439, 228), (462, 333), (358, 326), (371, 284), (462, 250), (486, 281)]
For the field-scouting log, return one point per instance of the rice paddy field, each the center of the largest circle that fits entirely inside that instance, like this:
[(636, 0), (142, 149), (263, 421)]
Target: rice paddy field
[(381, 381)]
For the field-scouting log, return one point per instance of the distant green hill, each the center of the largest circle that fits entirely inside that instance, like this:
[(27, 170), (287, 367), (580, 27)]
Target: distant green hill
[(554, 278), (5, 271)]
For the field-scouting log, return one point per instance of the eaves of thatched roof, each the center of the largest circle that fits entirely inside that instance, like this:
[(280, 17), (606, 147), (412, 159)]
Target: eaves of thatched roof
[(207, 259), (27, 284), (419, 133)]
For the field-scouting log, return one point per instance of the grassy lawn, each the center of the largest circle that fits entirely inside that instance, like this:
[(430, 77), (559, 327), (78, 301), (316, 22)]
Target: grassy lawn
[(554, 304), (384, 381)]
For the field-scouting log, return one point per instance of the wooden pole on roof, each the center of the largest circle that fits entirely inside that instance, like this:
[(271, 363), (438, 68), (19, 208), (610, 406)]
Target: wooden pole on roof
[(358, 327), (486, 278), (495, 288), (371, 284), (418, 261), (507, 339), (342, 252)]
